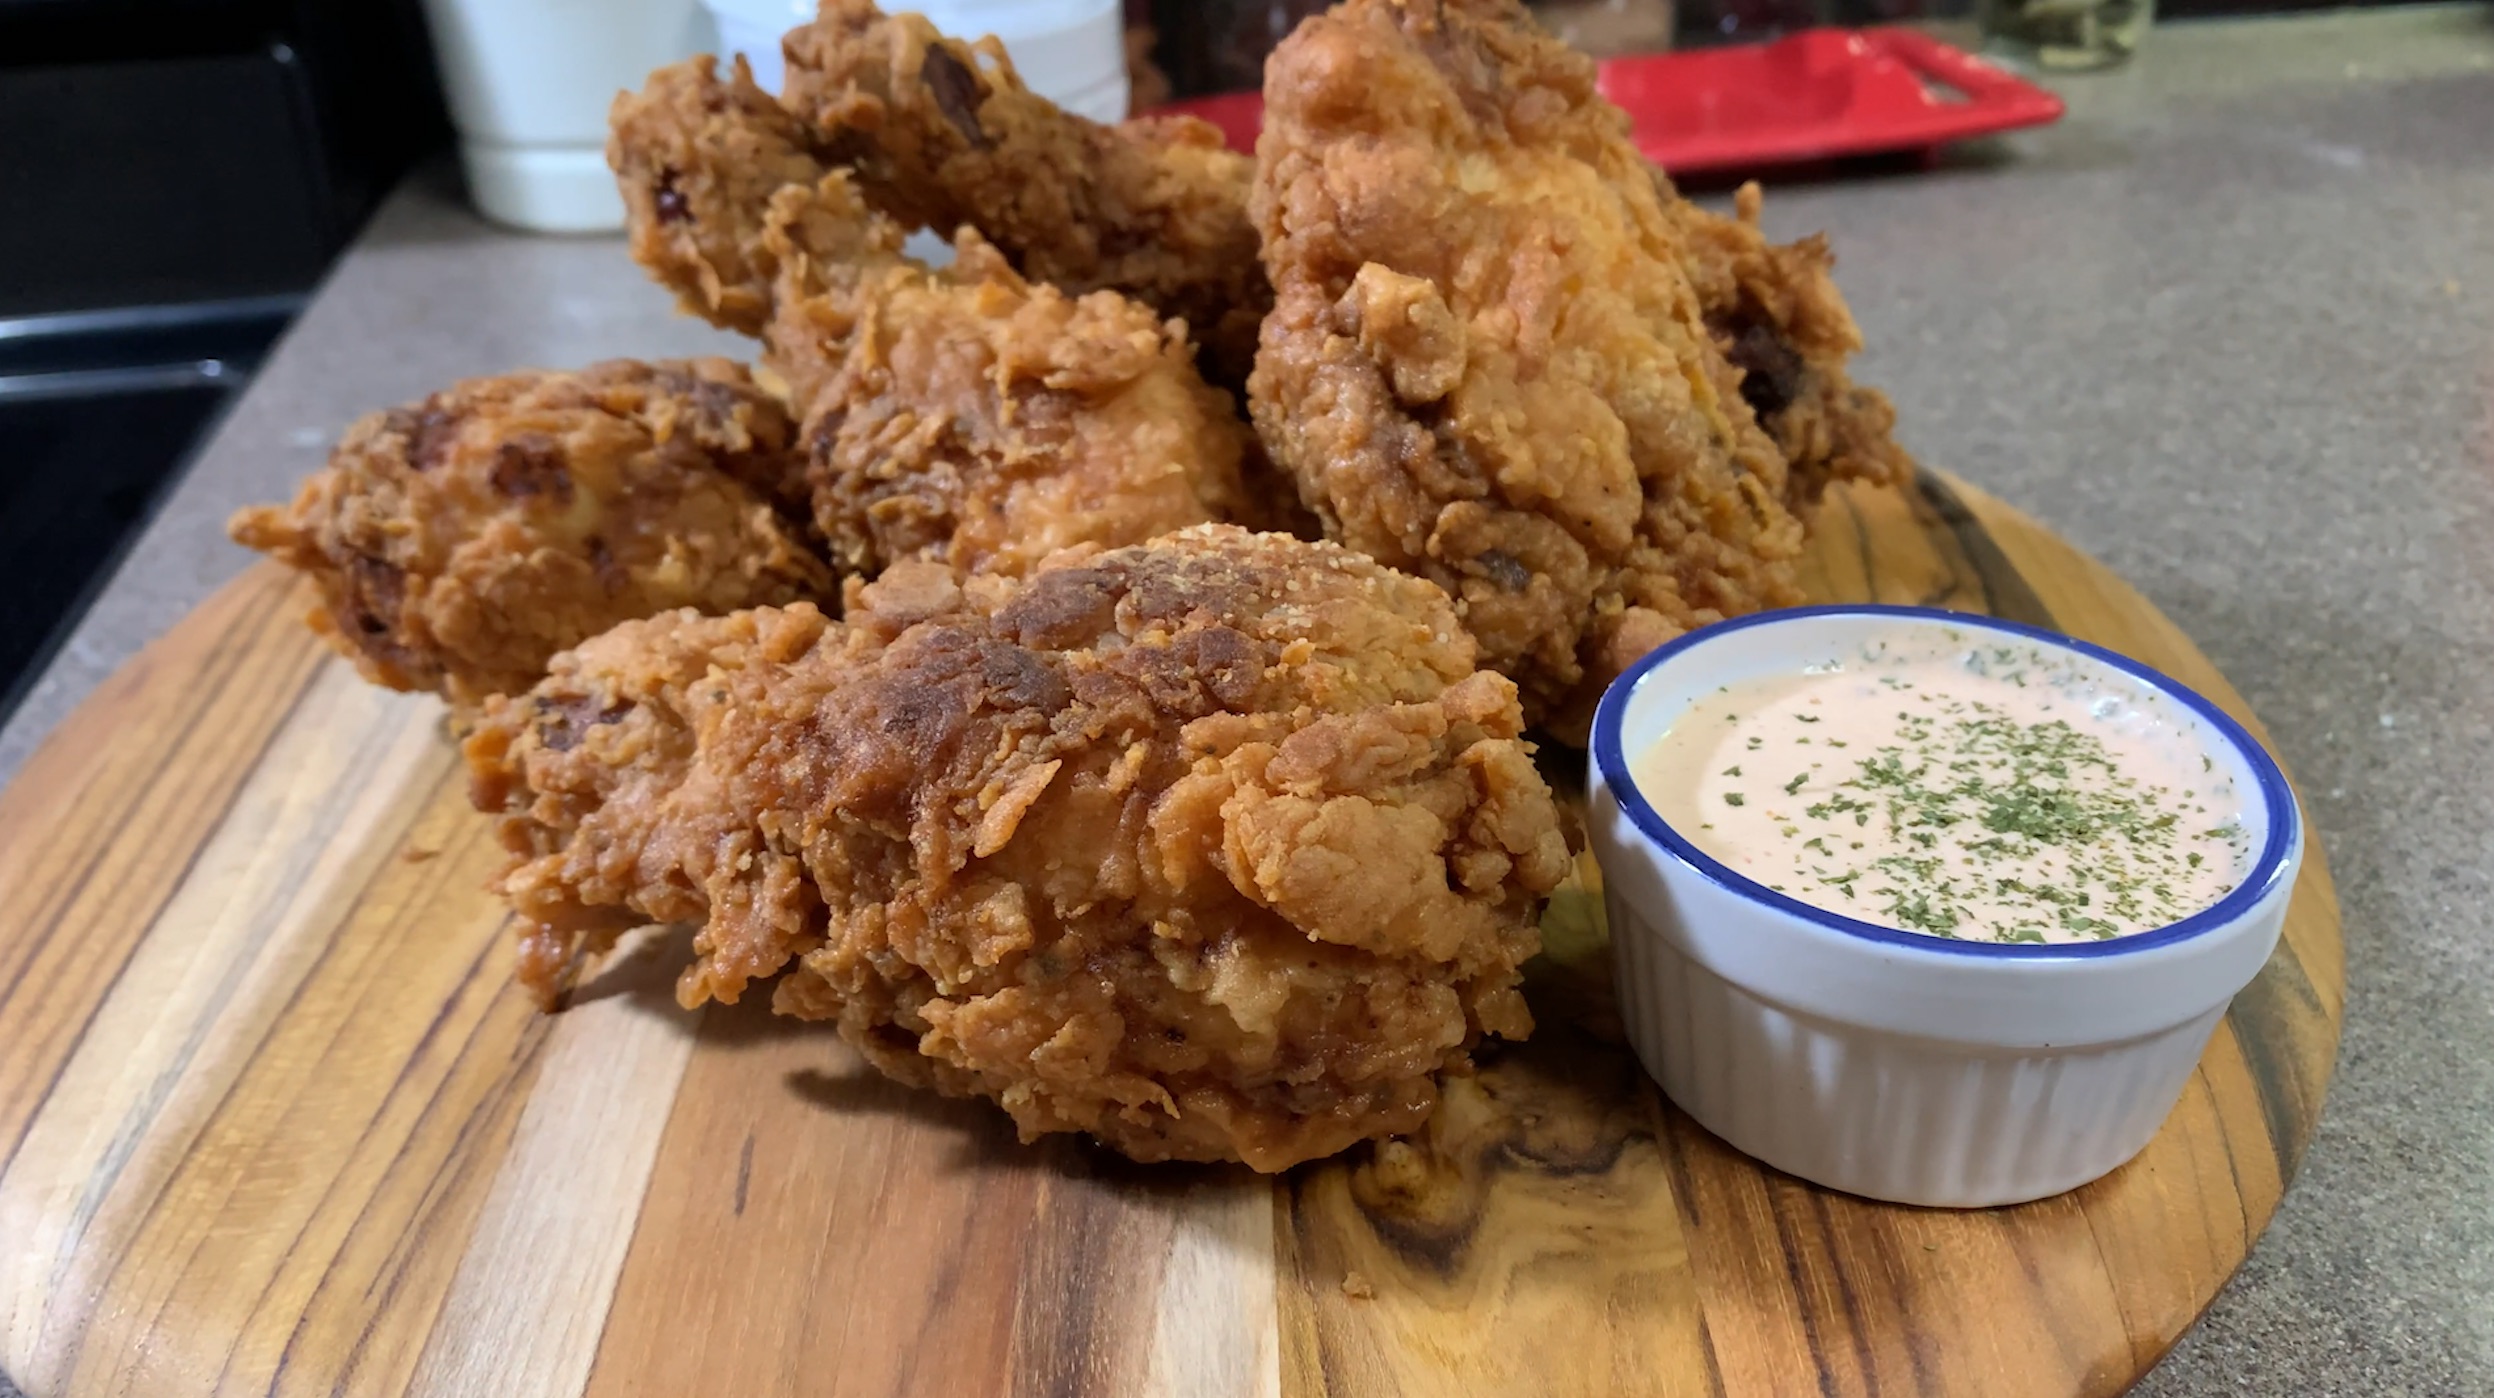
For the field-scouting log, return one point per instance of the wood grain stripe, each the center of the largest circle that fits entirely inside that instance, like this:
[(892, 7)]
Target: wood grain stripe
[(373, 1108), (531, 1296), (195, 1000), (815, 1227), (102, 823), (2006, 592)]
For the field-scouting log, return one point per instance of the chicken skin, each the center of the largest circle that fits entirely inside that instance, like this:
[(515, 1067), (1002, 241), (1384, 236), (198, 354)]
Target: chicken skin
[(942, 133), (460, 542), (1774, 312), (1487, 363), (963, 415), (1219, 848)]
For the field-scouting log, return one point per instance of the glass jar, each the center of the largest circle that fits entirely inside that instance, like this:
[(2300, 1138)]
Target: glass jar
[(2065, 35), (1608, 28)]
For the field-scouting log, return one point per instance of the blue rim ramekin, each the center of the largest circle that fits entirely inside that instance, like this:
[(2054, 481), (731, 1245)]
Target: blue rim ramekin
[(1891, 1063)]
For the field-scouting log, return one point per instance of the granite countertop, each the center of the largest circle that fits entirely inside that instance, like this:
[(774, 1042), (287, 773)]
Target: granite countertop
[(2229, 327)]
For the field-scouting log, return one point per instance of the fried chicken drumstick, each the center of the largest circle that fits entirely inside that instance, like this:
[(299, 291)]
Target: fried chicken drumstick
[(965, 415), (1217, 848), (460, 542), (1488, 362)]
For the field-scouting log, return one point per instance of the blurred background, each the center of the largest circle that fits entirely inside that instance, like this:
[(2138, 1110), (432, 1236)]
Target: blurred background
[(179, 174)]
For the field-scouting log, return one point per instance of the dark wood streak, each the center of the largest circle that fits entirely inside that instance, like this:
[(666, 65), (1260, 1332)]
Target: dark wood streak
[(461, 1161), (1918, 1340), (2007, 594), (224, 753), (1078, 1276), (744, 1174), (1857, 1323), (1774, 1187), (2277, 1019), (2234, 1166)]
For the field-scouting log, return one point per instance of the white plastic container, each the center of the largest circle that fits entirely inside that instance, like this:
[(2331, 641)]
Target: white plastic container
[(752, 28), (1887, 1063), (1072, 52), (529, 83)]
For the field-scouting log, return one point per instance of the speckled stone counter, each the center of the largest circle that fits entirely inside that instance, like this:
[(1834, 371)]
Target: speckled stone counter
[(2230, 327)]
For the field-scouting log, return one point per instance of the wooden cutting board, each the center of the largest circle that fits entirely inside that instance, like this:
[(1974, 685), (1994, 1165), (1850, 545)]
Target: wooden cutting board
[(272, 1120)]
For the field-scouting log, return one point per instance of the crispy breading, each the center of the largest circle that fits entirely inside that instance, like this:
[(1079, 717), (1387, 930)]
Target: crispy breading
[(942, 133), (1218, 848), (697, 157), (965, 414), (1487, 362), (1775, 313), (460, 542), (970, 417), (1773, 309)]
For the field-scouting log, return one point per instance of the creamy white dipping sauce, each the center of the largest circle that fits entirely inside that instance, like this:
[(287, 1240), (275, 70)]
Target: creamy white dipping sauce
[(1958, 783)]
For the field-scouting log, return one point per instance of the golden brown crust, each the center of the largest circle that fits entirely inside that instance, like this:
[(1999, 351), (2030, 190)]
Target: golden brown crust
[(942, 133), (697, 157), (1217, 849), (972, 418), (460, 542), (964, 415), (1487, 362), (1775, 313)]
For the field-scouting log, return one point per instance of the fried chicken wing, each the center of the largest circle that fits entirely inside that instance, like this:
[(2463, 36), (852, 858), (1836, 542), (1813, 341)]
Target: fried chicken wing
[(1775, 313), (1217, 848), (1487, 362), (460, 542), (697, 158), (962, 415), (942, 133)]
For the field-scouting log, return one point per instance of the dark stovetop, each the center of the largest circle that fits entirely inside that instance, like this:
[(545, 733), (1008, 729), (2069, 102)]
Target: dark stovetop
[(97, 416), (177, 175)]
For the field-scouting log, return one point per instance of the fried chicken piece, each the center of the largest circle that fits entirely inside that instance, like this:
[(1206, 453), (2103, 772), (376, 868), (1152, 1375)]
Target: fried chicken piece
[(460, 542), (697, 158), (971, 418), (597, 772), (942, 133), (963, 415), (1487, 363), (1775, 313), (1773, 309), (1216, 848)]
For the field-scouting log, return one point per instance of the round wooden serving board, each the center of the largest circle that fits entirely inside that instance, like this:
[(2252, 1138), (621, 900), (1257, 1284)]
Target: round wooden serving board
[(273, 1120)]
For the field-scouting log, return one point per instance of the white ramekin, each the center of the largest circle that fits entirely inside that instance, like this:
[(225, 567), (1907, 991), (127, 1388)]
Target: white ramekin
[(1887, 1063)]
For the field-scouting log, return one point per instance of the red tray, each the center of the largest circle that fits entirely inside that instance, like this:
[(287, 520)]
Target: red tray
[(1815, 95)]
